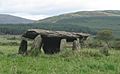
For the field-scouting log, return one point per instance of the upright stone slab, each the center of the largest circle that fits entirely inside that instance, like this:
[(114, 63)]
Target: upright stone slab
[(63, 44), (23, 47), (36, 46), (76, 44), (81, 42), (105, 50)]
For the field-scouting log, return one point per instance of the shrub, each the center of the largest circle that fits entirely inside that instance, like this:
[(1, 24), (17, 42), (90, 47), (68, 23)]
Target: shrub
[(116, 45), (93, 43)]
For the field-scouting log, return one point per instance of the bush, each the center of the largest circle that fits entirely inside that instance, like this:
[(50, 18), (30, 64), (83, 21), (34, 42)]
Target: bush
[(116, 45), (93, 43)]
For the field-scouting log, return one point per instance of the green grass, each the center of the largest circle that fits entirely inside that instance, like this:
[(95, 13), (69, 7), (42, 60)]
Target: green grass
[(87, 61), (13, 40), (9, 39)]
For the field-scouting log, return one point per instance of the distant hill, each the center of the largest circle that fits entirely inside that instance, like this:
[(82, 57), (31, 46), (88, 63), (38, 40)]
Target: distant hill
[(93, 20), (83, 21), (10, 19)]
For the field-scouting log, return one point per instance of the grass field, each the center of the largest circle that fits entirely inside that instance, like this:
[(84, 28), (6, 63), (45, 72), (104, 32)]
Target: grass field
[(86, 61)]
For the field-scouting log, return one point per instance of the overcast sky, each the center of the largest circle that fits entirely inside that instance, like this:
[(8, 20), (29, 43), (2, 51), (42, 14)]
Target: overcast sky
[(39, 9)]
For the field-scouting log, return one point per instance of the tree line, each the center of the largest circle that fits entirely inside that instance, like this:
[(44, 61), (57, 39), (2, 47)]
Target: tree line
[(16, 29)]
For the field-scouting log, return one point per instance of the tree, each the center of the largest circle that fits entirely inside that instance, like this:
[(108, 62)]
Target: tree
[(105, 35)]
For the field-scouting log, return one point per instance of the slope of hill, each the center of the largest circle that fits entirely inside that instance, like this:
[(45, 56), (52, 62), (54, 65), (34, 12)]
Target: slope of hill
[(94, 20), (83, 21), (10, 19)]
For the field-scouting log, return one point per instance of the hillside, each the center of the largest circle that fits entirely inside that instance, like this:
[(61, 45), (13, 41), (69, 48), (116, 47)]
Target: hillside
[(94, 20), (83, 21), (10, 19)]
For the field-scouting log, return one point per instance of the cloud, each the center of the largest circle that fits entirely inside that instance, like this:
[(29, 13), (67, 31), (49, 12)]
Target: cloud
[(38, 6), (45, 8), (103, 4)]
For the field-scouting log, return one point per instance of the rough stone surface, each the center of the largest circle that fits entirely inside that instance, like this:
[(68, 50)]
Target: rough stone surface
[(63, 44), (36, 46), (105, 50), (23, 47), (31, 33), (76, 45)]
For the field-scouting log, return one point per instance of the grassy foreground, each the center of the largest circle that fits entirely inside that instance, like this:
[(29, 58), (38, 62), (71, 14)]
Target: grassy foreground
[(87, 61)]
